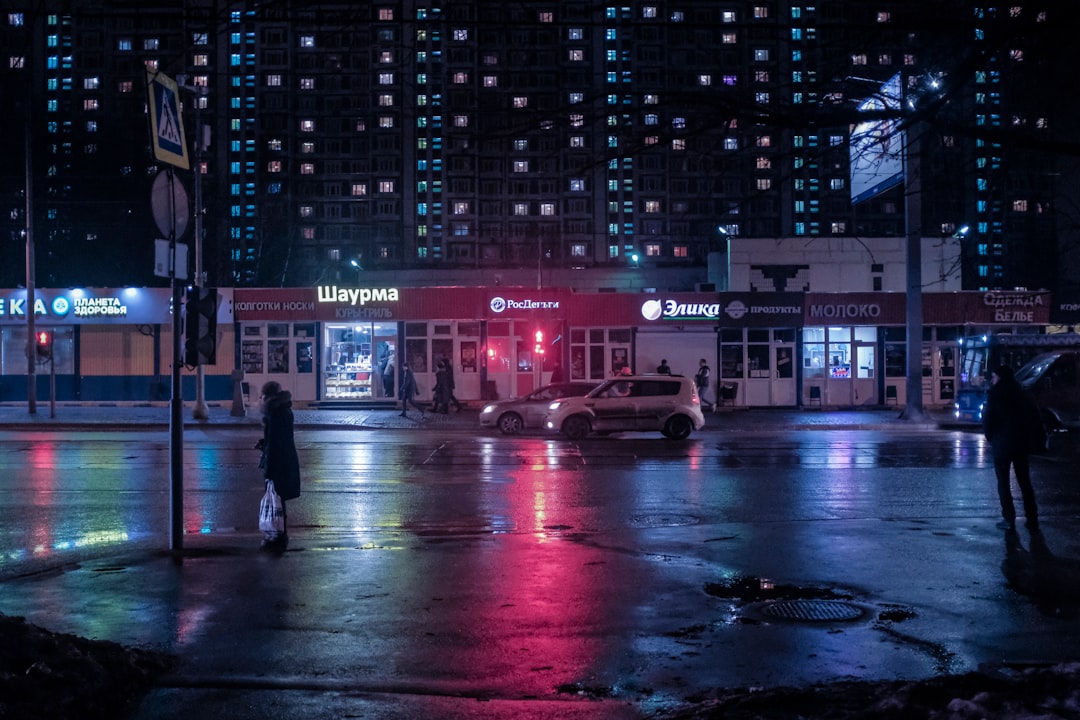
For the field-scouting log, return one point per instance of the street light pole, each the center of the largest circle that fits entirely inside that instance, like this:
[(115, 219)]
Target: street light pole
[(200, 410)]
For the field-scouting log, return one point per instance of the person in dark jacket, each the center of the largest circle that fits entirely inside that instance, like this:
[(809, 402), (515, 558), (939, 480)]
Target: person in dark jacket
[(1005, 424), (280, 462), (442, 393), (408, 391)]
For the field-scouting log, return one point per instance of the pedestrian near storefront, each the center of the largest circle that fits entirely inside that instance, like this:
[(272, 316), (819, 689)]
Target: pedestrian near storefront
[(1012, 424), (663, 368), (701, 379), (280, 462), (441, 393), (408, 391)]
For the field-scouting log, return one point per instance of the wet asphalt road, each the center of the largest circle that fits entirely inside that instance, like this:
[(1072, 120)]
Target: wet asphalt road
[(632, 571)]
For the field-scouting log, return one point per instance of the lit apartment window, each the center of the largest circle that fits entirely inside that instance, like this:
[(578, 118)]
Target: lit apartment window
[(679, 123), (386, 186), (91, 126), (547, 208), (731, 143), (836, 183), (858, 59), (577, 120), (652, 139), (576, 97), (652, 119), (521, 166), (307, 126), (306, 148), (386, 100), (308, 233), (359, 189), (838, 228), (461, 207), (91, 83), (761, 76), (575, 33), (491, 81), (150, 44), (90, 104), (652, 100), (652, 206), (386, 78), (521, 144), (521, 101), (652, 249), (761, 55), (461, 229), (307, 41), (307, 168), (763, 141), (760, 11), (461, 34), (521, 208), (461, 78), (307, 83), (729, 38), (727, 16), (386, 56), (763, 163), (761, 98), (649, 11), (273, 166), (461, 121), (678, 144), (575, 54), (577, 141), (763, 183), (546, 17), (386, 14), (680, 251), (704, 80), (730, 80), (577, 184), (884, 59), (386, 121), (273, 80), (884, 16), (577, 250), (1020, 206)]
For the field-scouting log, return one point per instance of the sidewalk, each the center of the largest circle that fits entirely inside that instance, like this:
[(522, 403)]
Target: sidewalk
[(148, 415)]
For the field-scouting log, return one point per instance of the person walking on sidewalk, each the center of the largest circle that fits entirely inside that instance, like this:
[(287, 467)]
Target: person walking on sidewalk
[(701, 379), (1007, 420), (451, 398), (663, 368), (408, 391), (280, 463)]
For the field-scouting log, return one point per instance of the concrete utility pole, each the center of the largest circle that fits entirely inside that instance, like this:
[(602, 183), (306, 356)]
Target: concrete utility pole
[(200, 410), (31, 300)]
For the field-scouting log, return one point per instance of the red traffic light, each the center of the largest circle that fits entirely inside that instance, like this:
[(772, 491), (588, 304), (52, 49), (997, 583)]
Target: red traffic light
[(44, 340)]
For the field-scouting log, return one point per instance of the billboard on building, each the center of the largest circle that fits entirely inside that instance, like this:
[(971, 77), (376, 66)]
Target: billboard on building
[(877, 146)]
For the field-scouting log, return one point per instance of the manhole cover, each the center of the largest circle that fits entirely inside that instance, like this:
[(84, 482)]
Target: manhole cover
[(813, 610)]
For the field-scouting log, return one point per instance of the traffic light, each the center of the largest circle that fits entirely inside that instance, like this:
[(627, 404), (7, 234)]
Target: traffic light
[(200, 326), (44, 342), (538, 342)]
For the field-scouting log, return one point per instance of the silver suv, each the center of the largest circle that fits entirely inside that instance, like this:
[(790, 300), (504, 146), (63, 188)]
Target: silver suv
[(668, 403)]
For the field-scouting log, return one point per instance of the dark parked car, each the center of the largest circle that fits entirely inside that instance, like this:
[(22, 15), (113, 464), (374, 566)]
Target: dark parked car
[(1053, 380), (516, 414)]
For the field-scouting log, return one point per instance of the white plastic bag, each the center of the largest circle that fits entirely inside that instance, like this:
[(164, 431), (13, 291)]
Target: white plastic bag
[(271, 513)]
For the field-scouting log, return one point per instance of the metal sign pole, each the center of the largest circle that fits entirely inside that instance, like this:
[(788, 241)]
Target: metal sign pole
[(176, 408)]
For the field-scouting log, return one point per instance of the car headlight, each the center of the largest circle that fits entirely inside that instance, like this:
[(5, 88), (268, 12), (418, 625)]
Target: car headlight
[(555, 406), (487, 409)]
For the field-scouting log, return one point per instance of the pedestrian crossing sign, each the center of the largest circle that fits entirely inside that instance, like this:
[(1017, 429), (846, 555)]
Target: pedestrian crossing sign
[(166, 126)]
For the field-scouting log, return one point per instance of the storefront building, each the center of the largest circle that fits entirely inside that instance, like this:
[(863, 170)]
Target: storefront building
[(108, 345), (346, 345)]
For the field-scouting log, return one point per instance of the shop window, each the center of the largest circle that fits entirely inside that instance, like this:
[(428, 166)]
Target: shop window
[(813, 360), (731, 361)]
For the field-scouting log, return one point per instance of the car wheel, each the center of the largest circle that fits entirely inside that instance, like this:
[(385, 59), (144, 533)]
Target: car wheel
[(678, 427), (576, 427), (511, 423)]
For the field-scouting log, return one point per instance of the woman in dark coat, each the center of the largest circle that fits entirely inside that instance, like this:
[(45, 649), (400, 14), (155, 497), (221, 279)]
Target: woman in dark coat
[(1006, 420), (280, 462)]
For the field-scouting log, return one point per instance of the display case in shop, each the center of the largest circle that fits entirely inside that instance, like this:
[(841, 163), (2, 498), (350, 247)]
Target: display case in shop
[(349, 374)]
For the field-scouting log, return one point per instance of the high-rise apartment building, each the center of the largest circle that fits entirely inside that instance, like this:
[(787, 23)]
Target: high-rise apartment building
[(465, 138)]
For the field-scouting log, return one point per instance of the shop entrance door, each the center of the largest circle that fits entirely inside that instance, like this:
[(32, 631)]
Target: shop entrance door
[(865, 382), (783, 384)]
